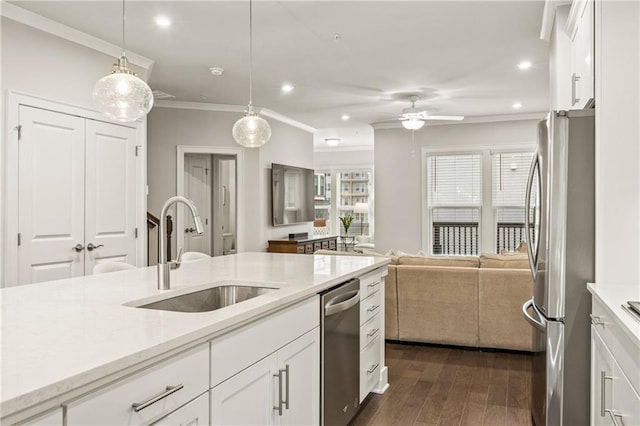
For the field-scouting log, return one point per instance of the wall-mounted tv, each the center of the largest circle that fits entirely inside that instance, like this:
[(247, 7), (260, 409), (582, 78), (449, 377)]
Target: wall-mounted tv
[(292, 195)]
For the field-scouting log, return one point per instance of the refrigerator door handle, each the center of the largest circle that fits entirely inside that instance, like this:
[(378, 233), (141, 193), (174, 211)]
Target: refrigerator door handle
[(540, 323), (535, 163)]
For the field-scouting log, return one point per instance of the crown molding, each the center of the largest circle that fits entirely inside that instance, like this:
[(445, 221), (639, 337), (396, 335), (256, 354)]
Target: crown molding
[(26, 17), (467, 120), (345, 148), (202, 106)]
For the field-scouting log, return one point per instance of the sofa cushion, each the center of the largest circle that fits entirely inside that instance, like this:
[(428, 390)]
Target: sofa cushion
[(509, 261), (452, 261)]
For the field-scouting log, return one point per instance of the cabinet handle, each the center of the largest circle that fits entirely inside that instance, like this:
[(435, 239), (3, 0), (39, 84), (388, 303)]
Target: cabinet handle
[(596, 320), (373, 368), (603, 394), (372, 332), (286, 402), (138, 406), (373, 284), (372, 308), (280, 401)]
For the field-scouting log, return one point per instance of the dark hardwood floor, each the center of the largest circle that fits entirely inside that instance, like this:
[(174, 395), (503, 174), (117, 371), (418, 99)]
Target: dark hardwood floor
[(433, 385)]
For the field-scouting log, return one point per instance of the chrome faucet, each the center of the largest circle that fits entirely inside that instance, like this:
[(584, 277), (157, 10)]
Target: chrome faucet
[(164, 266)]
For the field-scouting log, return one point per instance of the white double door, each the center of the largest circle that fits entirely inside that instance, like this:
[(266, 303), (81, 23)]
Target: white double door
[(197, 187), (76, 195)]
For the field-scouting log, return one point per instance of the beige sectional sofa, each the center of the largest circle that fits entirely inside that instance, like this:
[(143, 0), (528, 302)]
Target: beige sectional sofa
[(465, 301)]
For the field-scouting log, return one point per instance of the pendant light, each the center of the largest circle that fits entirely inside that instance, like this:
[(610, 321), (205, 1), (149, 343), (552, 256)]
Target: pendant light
[(251, 131), (121, 95)]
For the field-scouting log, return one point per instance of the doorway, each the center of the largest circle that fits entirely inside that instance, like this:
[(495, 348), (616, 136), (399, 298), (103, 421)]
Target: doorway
[(211, 180)]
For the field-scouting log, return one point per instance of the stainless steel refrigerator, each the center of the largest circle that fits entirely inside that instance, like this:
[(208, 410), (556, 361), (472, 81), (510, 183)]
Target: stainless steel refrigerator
[(560, 220)]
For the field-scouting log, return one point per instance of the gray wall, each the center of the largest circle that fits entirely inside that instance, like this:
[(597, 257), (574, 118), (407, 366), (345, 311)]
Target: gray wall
[(342, 158), (168, 127), (398, 174)]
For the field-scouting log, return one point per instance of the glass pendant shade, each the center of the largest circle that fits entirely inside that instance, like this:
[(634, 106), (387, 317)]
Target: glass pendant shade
[(251, 131), (413, 124), (122, 96)]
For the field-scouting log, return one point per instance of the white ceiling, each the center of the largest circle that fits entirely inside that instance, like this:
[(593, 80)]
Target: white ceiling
[(460, 56)]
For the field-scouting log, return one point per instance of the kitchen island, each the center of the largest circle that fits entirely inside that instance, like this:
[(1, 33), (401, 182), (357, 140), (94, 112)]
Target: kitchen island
[(63, 340)]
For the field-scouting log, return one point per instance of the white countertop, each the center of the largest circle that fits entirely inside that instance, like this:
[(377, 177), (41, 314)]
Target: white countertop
[(63, 335), (613, 297)]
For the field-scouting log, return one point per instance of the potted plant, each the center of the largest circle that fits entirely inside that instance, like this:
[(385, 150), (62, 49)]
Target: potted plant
[(346, 223)]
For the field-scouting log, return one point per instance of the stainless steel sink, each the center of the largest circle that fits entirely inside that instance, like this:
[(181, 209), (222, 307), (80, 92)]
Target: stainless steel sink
[(208, 299)]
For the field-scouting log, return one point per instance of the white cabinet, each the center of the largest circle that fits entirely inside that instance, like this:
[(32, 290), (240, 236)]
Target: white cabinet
[(147, 395), (268, 372), (372, 369), (281, 389), (580, 28), (75, 191)]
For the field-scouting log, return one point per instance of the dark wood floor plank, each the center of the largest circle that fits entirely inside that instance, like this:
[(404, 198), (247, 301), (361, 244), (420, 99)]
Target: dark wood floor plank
[(435, 385)]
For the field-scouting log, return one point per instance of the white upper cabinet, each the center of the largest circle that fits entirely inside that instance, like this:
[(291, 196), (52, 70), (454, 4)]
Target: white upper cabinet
[(580, 28)]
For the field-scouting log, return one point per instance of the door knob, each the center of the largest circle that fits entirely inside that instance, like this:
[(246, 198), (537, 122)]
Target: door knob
[(78, 248), (91, 247)]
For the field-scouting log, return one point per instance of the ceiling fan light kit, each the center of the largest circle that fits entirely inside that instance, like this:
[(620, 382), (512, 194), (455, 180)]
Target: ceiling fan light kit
[(121, 95), (414, 118), (251, 131)]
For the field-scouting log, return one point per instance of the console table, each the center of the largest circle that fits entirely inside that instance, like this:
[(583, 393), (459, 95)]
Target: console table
[(308, 246)]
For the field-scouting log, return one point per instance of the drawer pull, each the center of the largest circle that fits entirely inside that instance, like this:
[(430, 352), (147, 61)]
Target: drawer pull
[(373, 285), (373, 368), (596, 320), (372, 332), (138, 406), (372, 308), (282, 401)]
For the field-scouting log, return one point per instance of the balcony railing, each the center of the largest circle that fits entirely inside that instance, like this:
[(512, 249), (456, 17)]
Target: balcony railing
[(455, 238), (510, 235)]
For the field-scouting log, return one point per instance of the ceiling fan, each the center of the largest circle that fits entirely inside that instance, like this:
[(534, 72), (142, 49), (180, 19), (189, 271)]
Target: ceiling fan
[(413, 118)]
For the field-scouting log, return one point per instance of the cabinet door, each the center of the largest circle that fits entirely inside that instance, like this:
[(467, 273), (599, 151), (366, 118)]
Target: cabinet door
[(246, 398), (301, 389), (110, 213), (50, 195), (601, 381), (195, 413), (626, 402), (582, 56)]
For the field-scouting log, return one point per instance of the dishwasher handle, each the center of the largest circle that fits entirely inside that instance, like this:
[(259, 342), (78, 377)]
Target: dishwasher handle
[(339, 304)]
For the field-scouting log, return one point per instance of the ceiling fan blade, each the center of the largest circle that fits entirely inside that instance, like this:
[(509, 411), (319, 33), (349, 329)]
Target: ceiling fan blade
[(444, 117)]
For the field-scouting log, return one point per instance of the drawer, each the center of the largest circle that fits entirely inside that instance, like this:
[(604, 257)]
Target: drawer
[(317, 246), (332, 244), (238, 349), (626, 353), (113, 405), (370, 366), (370, 283), (370, 331), (325, 244), (308, 248), (194, 413), (300, 249), (369, 307)]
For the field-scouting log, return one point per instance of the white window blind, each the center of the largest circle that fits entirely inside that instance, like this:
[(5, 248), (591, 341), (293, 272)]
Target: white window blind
[(509, 180), (454, 198)]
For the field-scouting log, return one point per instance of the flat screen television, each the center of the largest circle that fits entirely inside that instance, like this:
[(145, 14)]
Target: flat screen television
[(292, 195)]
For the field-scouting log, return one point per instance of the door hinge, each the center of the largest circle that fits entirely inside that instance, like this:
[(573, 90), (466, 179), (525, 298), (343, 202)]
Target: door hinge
[(19, 129), (138, 148), (19, 239), (206, 172), (136, 233), (206, 221)]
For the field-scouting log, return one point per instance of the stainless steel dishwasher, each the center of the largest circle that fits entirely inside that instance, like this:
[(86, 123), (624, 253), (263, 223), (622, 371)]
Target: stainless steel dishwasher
[(340, 367)]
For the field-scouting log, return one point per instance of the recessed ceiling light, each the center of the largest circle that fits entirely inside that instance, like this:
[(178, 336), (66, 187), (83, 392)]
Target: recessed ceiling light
[(332, 141), (516, 105), (162, 21), (287, 88), (524, 65), (345, 117), (217, 71)]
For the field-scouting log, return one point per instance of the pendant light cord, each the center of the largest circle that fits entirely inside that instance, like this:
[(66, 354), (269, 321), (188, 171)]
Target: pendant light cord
[(124, 52), (250, 52)]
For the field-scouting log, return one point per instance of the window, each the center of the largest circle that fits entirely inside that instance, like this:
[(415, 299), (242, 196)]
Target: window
[(509, 176), (454, 199), (475, 201), (353, 187)]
